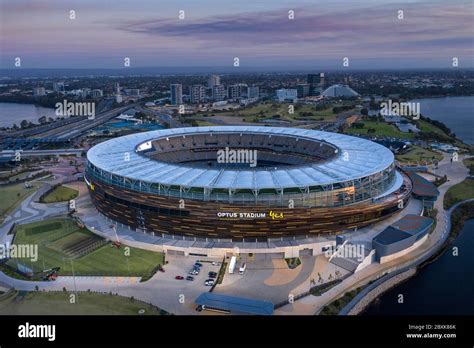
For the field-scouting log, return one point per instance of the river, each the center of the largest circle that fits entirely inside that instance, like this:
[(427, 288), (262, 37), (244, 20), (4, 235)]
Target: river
[(457, 113), (11, 113)]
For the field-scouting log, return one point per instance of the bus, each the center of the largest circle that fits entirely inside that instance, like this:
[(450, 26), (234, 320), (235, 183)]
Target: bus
[(233, 260)]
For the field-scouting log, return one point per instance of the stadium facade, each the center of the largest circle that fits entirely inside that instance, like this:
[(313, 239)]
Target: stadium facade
[(304, 183)]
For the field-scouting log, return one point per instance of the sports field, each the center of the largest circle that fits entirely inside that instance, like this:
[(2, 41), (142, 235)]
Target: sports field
[(57, 303), (61, 243)]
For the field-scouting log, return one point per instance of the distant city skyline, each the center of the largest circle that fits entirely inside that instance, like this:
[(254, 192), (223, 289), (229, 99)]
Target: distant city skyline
[(260, 34)]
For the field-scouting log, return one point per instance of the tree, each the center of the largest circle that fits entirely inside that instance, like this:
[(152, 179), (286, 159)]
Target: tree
[(42, 120), (24, 124)]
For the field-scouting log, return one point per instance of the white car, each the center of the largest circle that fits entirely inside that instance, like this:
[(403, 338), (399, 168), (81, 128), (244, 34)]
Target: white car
[(209, 282)]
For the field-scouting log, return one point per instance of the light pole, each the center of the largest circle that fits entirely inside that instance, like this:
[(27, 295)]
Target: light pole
[(74, 279)]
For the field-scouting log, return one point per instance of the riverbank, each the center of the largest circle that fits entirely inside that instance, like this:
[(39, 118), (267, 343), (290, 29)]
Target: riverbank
[(459, 215)]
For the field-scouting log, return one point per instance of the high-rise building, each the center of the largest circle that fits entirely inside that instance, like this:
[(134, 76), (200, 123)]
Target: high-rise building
[(303, 90), (214, 80), (176, 94), (236, 91), (287, 95), (316, 82), (58, 87), (39, 92), (197, 93), (118, 95), (252, 92), (218, 92)]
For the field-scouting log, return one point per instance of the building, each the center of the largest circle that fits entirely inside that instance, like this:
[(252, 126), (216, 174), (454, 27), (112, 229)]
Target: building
[(236, 91), (58, 87), (401, 237), (252, 92), (218, 92), (214, 80), (133, 92), (118, 95), (176, 94), (303, 90), (316, 83), (39, 92), (337, 91), (287, 95), (197, 93), (233, 305), (244, 200), (97, 93), (86, 92)]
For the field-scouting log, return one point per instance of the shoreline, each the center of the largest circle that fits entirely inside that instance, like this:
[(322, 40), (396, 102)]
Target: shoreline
[(363, 303)]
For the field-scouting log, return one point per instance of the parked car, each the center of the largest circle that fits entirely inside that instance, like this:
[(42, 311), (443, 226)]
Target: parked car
[(197, 264), (209, 282), (215, 263), (212, 274), (189, 278), (179, 277)]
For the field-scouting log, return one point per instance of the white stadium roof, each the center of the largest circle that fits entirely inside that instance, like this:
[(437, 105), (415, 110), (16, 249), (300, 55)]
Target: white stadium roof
[(364, 158)]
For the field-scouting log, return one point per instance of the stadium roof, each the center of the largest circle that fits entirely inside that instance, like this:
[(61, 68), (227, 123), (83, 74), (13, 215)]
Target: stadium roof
[(235, 304), (363, 158)]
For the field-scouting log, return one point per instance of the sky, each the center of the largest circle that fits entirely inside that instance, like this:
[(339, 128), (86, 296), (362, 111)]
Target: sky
[(258, 32)]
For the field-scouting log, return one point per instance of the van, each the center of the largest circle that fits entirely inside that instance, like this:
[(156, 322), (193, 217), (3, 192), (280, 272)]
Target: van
[(242, 269)]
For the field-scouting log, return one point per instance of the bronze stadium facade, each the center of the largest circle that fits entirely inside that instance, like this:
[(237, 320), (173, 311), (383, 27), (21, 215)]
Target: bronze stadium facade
[(300, 182)]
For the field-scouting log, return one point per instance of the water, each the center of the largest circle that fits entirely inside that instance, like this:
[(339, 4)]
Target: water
[(455, 112), (11, 113), (444, 287)]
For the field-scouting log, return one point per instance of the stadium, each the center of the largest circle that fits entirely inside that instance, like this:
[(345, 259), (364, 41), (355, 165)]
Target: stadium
[(293, 183)]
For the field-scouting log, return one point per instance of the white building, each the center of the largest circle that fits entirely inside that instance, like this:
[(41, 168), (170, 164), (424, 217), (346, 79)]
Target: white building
[(58, 87), (252, 92), (97, 93), (197, 93), (39, 92), (218, 92), (285, 95), (236, 91), (214, 80)]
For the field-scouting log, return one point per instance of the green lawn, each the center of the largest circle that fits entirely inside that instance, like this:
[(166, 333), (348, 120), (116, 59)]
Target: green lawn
[(270, 109), (12, 195), (56, 235), (459, 192), (60, 194), (380, 129), (417, 153), (57, 303)]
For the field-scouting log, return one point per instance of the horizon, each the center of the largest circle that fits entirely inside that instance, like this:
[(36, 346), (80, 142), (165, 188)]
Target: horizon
[(100, 36)]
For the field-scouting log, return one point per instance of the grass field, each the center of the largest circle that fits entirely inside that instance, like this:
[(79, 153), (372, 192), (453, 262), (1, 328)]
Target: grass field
[(57, 303), (271, 109), (381, 129), (417, 153), (54, 237), (12, 195), (60, 194), (459, 192)]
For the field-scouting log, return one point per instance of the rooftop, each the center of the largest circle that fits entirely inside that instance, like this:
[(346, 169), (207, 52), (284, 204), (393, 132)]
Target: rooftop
[(354, 158)]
